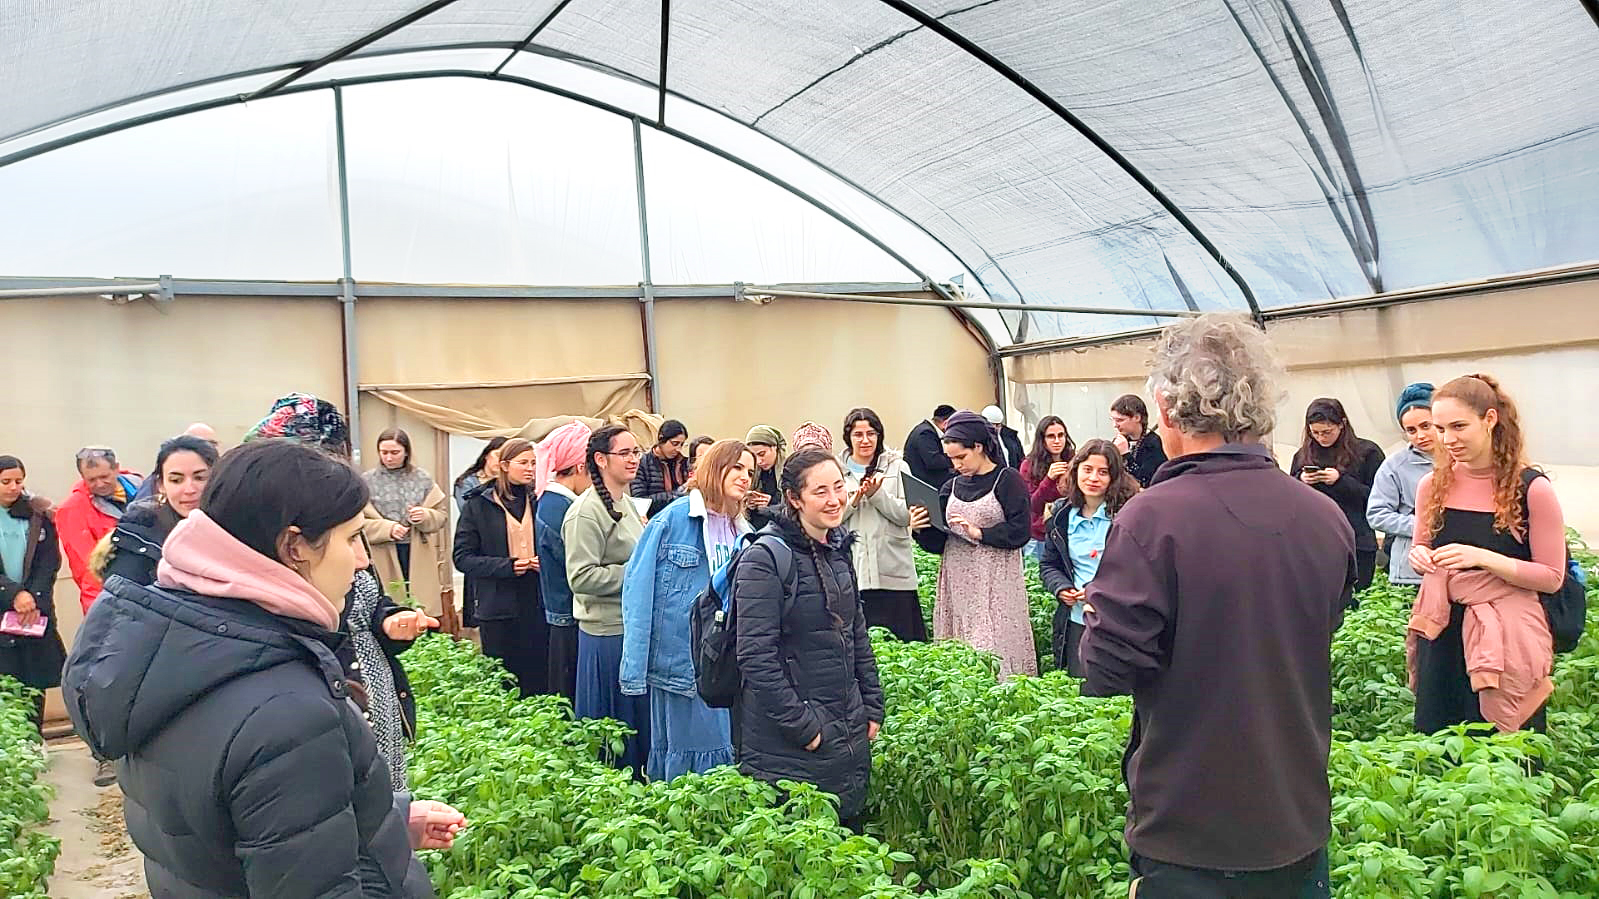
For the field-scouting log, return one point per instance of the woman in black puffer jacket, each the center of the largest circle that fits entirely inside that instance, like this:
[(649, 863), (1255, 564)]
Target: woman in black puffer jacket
[(812, 703), (247, 768)]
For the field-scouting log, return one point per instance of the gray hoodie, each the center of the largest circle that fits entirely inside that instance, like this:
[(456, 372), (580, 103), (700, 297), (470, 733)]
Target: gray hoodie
[(1392, 508)]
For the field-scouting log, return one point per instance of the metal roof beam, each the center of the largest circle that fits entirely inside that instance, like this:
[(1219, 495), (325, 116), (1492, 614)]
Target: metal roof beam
[(934, 24), (352, 47)]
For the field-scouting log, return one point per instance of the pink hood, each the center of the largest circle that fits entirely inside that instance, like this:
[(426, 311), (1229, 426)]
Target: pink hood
[(202, 557)]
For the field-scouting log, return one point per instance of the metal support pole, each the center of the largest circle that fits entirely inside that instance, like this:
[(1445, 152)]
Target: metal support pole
[(352, 390), (656, 402), (105, 290), (747, 291)]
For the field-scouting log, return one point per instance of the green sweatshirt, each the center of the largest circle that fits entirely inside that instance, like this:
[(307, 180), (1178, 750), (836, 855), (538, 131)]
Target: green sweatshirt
[(597, 550)]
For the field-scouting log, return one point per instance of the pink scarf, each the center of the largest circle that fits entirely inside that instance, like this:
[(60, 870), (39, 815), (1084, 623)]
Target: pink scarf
[(202, 557), (561, 449)]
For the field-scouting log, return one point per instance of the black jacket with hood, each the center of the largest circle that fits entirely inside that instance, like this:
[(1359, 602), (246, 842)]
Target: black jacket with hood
[(136, 543), (808, 667), (247, 769)]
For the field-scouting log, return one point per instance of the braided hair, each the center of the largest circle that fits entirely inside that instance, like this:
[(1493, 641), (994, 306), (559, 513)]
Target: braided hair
[(796, 473), (600, 444)]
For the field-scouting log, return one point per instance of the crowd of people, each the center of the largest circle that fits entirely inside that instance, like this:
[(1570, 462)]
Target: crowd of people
[(246, 611)]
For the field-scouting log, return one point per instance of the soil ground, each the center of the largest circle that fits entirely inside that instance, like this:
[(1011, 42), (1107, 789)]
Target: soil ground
[(97, 859)]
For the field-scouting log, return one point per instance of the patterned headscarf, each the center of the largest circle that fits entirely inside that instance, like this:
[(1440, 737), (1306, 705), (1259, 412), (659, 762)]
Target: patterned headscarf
[(303, 417), (563, 448), (811, 434)]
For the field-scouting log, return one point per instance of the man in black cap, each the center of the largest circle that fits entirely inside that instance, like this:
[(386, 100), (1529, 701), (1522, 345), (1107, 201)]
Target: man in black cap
[(924, 449)]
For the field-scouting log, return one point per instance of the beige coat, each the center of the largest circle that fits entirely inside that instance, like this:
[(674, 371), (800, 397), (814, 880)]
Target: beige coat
[(882, 551), (430, 565)]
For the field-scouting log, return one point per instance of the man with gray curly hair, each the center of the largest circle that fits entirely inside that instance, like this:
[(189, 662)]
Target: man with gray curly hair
[(1214, 607)]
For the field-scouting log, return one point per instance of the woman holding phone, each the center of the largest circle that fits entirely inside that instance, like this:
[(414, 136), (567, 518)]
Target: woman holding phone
[(1335, 461), (876, 512), (1045, 470)]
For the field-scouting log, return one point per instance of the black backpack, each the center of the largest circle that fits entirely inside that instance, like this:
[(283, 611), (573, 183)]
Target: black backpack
[(714, 625), (1566, 608)]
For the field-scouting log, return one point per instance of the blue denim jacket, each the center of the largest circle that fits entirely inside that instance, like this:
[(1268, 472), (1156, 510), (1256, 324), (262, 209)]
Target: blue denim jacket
[(551, 547), (667, 572)]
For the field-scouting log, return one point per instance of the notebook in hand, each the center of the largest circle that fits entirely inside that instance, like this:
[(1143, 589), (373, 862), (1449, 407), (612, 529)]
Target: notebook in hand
[(12, 624)]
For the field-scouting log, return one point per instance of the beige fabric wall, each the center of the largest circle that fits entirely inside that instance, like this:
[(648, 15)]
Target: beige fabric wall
[(1541, 342), (725, 366), (87, 372)]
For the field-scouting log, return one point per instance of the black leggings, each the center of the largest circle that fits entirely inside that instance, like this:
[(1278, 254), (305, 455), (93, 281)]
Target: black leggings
[(1365, 568)]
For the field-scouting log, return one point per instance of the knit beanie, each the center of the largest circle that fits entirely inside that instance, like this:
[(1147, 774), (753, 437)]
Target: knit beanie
[(1415, 396)]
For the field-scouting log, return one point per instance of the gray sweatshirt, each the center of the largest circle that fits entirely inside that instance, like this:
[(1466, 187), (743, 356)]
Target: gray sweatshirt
[(1392, 508)]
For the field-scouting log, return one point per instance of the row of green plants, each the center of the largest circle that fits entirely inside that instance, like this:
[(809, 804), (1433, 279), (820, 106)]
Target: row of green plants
[(986, 789), (27, 856)]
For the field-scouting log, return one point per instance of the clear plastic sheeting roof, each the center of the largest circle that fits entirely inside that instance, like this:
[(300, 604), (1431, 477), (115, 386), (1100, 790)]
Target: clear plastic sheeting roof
[(1108, 154)]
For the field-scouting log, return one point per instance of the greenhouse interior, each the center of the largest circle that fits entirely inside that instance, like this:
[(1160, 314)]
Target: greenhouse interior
[(472, 219)]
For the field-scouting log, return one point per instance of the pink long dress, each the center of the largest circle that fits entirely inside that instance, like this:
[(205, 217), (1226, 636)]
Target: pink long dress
[(982, 598)]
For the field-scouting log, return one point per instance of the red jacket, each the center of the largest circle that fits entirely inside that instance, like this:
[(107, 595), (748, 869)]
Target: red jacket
[(81, 524)]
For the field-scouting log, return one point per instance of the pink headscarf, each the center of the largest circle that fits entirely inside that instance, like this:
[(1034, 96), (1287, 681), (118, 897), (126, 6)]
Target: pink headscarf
[(563, 448), (811, 434)]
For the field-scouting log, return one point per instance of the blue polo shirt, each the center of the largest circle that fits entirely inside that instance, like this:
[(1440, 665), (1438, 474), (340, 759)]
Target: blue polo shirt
[(1085, 537)]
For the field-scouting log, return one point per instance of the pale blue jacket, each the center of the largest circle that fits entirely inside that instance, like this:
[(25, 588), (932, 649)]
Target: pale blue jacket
[(669, 569)]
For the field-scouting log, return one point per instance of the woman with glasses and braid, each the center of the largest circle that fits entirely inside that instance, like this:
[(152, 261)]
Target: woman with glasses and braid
[(601, 530)]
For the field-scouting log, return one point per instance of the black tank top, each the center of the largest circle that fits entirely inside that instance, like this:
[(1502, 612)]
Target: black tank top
[(1477, 529)]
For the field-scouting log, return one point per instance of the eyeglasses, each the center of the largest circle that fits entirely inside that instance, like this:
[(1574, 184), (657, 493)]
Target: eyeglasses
[(90, 453), (633, 453)]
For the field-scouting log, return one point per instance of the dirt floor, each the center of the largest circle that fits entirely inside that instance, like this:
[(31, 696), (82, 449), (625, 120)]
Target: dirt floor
[(97, 860)]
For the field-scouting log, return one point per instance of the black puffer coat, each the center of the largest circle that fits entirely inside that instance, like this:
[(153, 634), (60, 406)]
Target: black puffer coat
[(808, 668), (136, 542), (248, 771)]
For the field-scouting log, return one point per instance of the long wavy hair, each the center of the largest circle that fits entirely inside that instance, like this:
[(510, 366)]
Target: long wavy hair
[(1481, 392), (1123, 486), (1343, 454), (1039, 460)]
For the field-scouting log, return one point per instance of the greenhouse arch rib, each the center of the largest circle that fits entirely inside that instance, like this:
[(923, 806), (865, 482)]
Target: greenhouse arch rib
[(971, 48)]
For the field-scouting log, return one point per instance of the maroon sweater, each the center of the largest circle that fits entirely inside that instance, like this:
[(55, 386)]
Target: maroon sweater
[(1214, 606)]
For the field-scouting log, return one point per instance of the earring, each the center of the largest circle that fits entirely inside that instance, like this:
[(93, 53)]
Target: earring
[(161, 499)]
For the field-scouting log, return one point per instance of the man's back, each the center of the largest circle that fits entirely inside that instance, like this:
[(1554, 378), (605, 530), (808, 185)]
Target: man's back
[(1215, 606)]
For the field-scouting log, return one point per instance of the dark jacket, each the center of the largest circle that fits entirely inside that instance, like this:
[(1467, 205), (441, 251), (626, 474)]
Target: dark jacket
[(391, 650), (136, 542), (483, 554), (924, 453), (247, 769), (1011, 442), (35, 661), (1145, 457), (555, 589), (1214, 606), (1352, 492), (651, 480), (808, 669), (766, 482), (1055, 565)]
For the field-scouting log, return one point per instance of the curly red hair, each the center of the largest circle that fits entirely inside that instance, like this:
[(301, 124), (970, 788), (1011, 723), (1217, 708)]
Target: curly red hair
[(1480, 393)]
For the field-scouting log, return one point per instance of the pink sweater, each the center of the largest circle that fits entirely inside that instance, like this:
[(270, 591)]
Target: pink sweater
[(1509, 651)]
